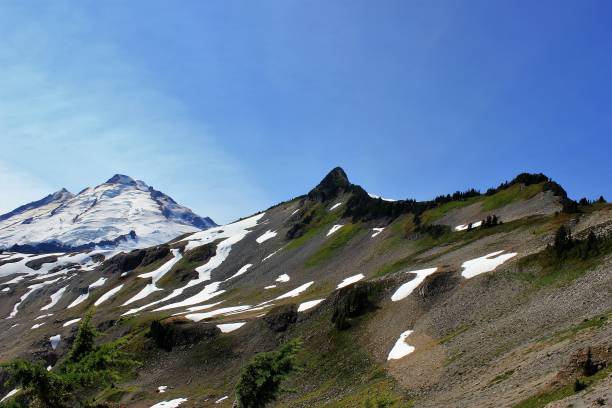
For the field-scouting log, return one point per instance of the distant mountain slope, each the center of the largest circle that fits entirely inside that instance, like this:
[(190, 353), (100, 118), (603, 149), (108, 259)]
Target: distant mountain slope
[(121, 211)]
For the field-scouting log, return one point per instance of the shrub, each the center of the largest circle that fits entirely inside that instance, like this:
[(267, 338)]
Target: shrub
[(260, 379)]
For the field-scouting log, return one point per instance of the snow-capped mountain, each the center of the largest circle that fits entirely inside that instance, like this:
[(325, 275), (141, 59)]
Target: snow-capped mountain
[(120, 212)]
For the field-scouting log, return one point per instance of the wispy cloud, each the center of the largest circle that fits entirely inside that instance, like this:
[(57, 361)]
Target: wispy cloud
[(74, 116)]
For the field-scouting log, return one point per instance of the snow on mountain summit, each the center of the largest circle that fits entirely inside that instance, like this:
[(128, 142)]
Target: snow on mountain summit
[(120, 212)]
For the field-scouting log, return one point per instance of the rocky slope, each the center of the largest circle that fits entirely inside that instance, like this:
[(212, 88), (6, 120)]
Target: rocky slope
[(122, 212), (397, 304)]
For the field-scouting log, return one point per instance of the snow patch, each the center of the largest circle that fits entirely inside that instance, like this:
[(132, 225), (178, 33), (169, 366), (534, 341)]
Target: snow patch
[(333, 207), (270, 287), (69, 322), (283, 278), (108, 295), (309, 305), (54, 340), (382, 198), (155, 276), (406, 289), (55, 297), (485, 263), (350, 280), (230, 327), (196, 317), (377, 231), (266, 236), (334, 229), (36, 326), (220, 400), (464, 227), (401, 348), (170, 404), (240, 271), (295, 292), (10, 394)]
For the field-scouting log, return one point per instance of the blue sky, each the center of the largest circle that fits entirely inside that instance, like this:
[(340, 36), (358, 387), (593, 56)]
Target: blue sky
[(232, 106)]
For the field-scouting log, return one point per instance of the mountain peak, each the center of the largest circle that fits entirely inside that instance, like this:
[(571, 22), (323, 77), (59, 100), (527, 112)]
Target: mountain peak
[(334, 182), (121, 179)]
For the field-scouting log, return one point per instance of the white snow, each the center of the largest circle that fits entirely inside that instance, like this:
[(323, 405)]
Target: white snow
[(401, 349), (350, 280), (203, 307), (101, 213), (220, 400), (485, 263), (69, 322), (464, 227), (43, 316), (382, 198), (377, 231), (271, 255), (230, 327), (333, 207), (309, 305), (155, 276), (6, 289), (295, 292), (232, 233), (170, 404), (293, 213), (270, 287), (406, 289), (266, 236), (196, 317), (55, 297), (83, 297), (32, 288), (283, 278), (108, 295), (54, 340), (334, 229), (10, 394), (240, 271), (162, 388), (36, 326)]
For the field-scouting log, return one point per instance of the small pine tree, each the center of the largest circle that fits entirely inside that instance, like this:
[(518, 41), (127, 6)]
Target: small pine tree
[(601, 200), (589, 367), (85, 338), (579, 385), (260, 379)]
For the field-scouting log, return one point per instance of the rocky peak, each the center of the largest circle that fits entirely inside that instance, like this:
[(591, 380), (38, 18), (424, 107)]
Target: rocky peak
[(334, 183)]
